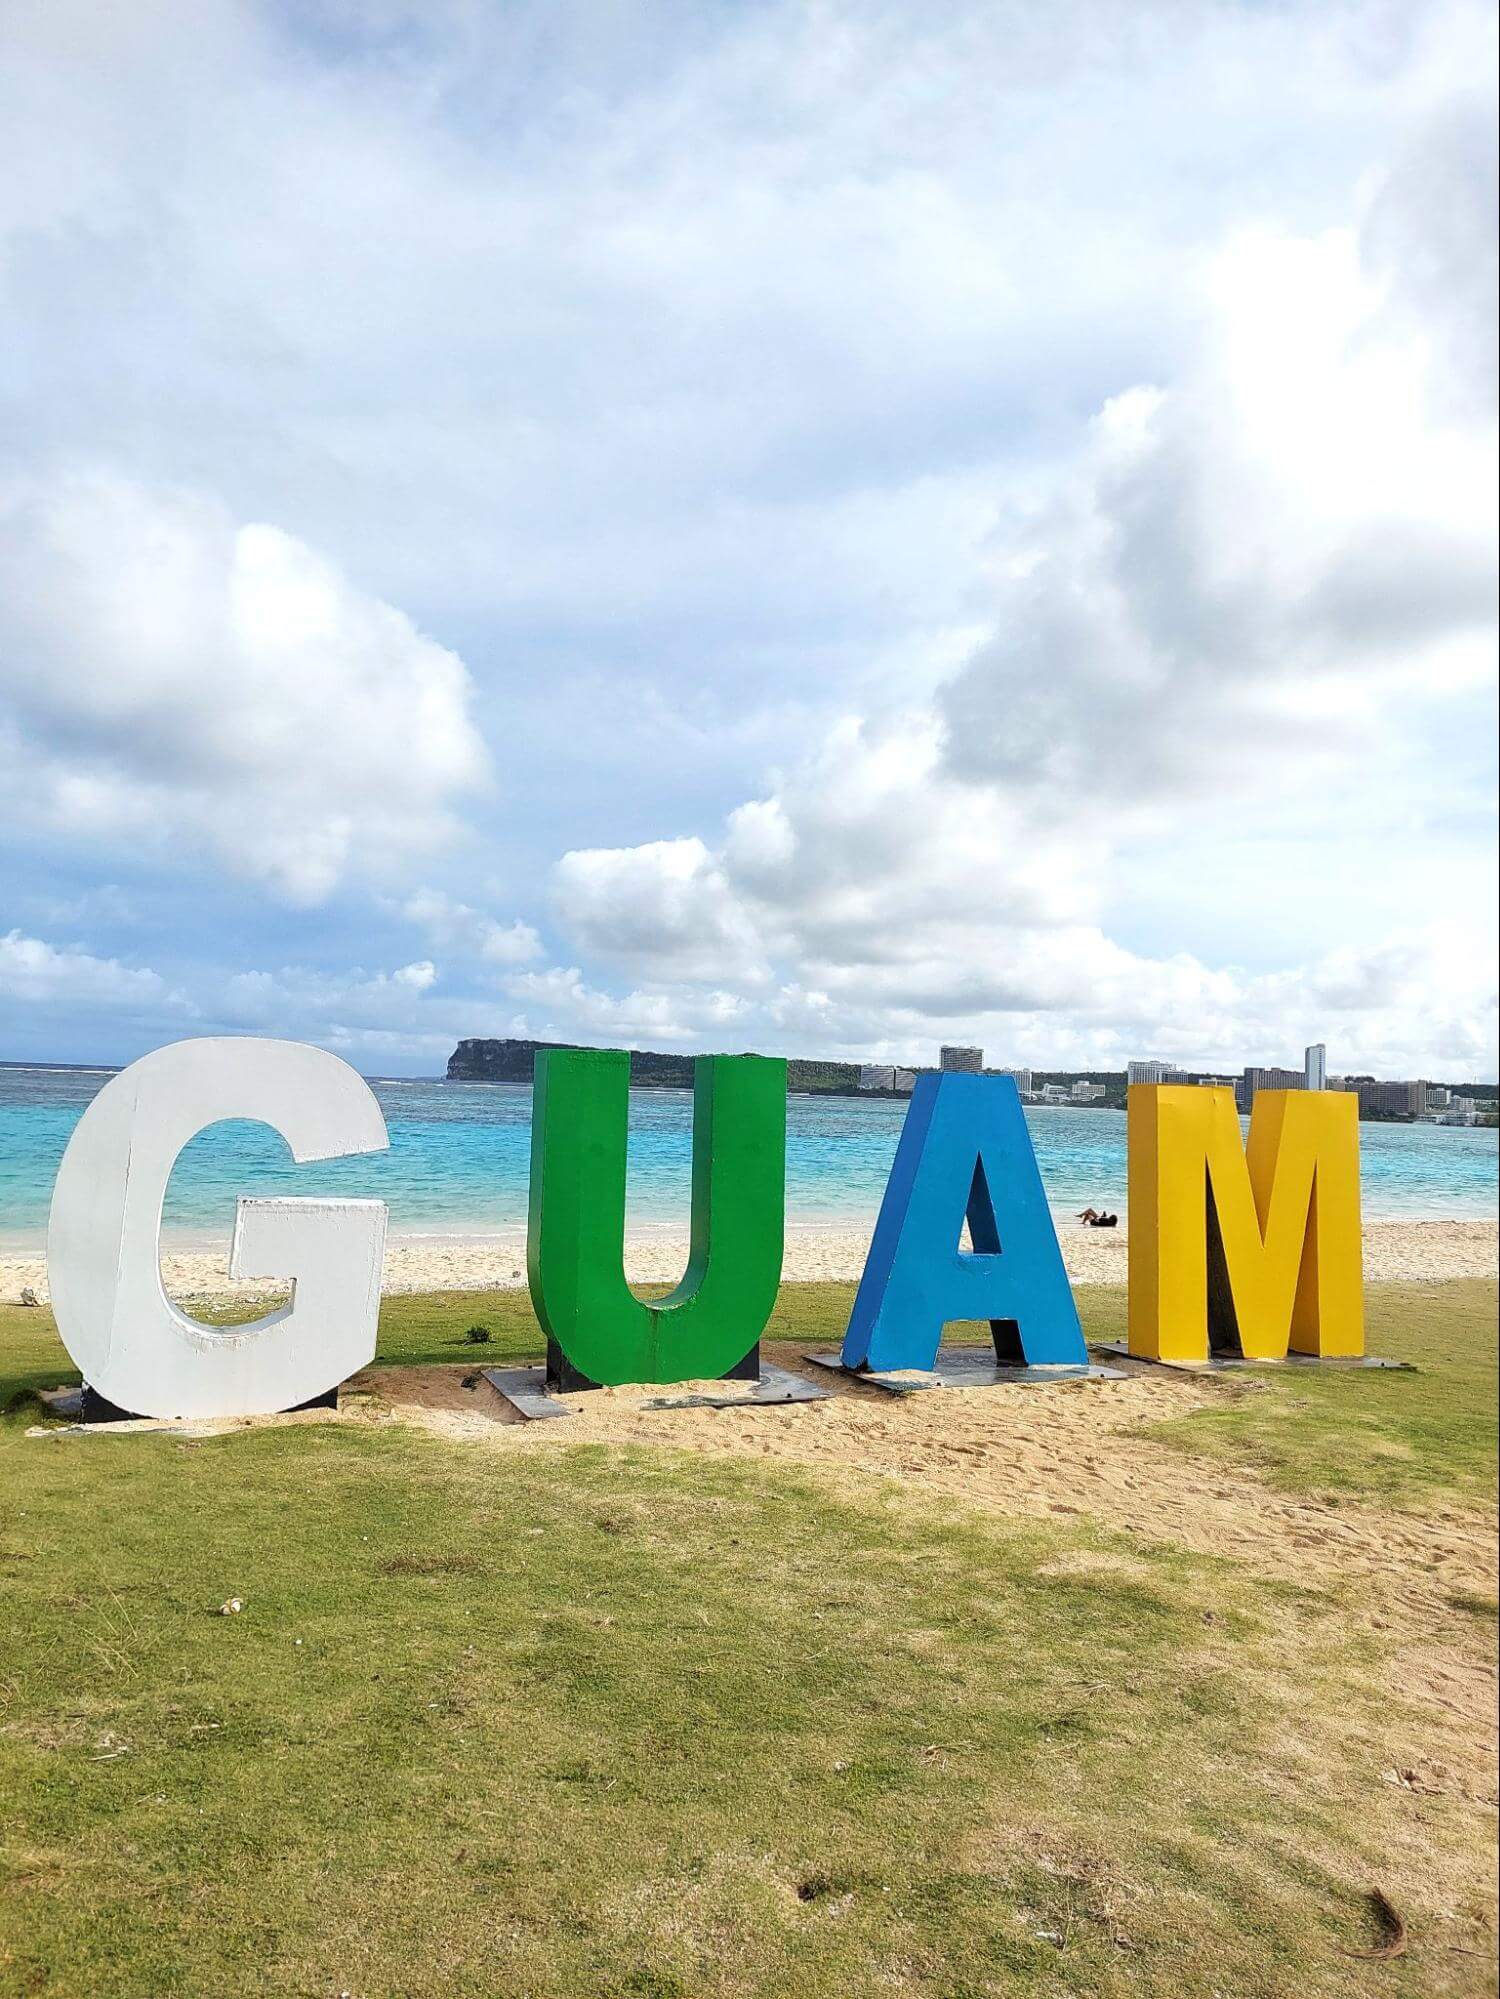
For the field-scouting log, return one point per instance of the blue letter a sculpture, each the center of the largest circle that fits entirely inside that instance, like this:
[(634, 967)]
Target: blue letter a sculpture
[(964, 1145)]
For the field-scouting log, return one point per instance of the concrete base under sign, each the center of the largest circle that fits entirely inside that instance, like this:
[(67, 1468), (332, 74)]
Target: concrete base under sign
[(527, 1391), (1222, 1360), (962, 1368)]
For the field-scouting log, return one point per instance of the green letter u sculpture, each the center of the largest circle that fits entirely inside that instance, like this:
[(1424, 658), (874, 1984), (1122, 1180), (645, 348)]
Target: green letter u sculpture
[(575, 1246)]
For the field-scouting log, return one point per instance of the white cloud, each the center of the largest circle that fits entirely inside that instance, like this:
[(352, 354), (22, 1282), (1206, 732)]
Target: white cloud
[(167, 675), (1250, 575), (559, 1004), (455, 923), (371, 1016), (666, 902), (420, 975), (37, 973), (401, 1013), (1431, 237), (317, 1000)]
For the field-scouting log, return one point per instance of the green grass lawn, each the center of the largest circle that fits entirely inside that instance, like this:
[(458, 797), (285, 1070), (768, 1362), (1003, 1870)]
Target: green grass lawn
[(587, 1721), (1402, 1439)]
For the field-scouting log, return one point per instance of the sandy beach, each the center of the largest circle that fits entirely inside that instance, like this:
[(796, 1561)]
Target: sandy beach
[(1408, 1251)]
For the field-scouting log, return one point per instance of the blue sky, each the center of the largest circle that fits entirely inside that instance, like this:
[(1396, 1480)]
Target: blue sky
[(826, 528)]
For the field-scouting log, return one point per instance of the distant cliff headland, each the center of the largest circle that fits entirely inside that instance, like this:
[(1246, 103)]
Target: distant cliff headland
[(512, 1062)]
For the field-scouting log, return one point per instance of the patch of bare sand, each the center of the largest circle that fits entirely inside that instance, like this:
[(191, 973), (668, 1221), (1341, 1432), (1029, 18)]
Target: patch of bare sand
[(1071, 1450), (191, 1427), (1075, 1451)]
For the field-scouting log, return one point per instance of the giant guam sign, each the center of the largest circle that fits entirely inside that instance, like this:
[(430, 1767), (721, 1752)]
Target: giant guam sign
[(1250, 1247)]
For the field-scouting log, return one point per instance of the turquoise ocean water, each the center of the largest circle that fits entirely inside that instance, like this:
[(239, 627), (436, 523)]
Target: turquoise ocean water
[(460, 1155)]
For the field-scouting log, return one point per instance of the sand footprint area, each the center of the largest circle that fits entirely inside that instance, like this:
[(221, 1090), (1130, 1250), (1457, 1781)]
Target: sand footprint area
[(1077, 1448), (1069, 1452)]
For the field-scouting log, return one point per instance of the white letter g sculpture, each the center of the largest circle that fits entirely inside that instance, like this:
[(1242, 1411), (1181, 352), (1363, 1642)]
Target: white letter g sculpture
[(132, 1344)]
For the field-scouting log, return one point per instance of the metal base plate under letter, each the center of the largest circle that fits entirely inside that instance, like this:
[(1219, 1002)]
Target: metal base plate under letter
[(776, 1384), (526, 1390), (963, 1367), (1216, 1361)]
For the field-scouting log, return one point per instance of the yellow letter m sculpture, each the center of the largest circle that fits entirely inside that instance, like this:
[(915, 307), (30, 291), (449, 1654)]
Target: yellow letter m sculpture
[(1244, 1248)]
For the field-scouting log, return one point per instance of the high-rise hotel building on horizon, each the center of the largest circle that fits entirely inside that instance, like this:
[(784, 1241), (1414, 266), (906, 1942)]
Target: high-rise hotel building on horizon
[(1153, 1072)]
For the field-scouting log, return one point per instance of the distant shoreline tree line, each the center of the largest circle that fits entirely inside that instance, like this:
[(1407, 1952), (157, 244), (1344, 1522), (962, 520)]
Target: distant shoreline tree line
[(508, 1060)]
